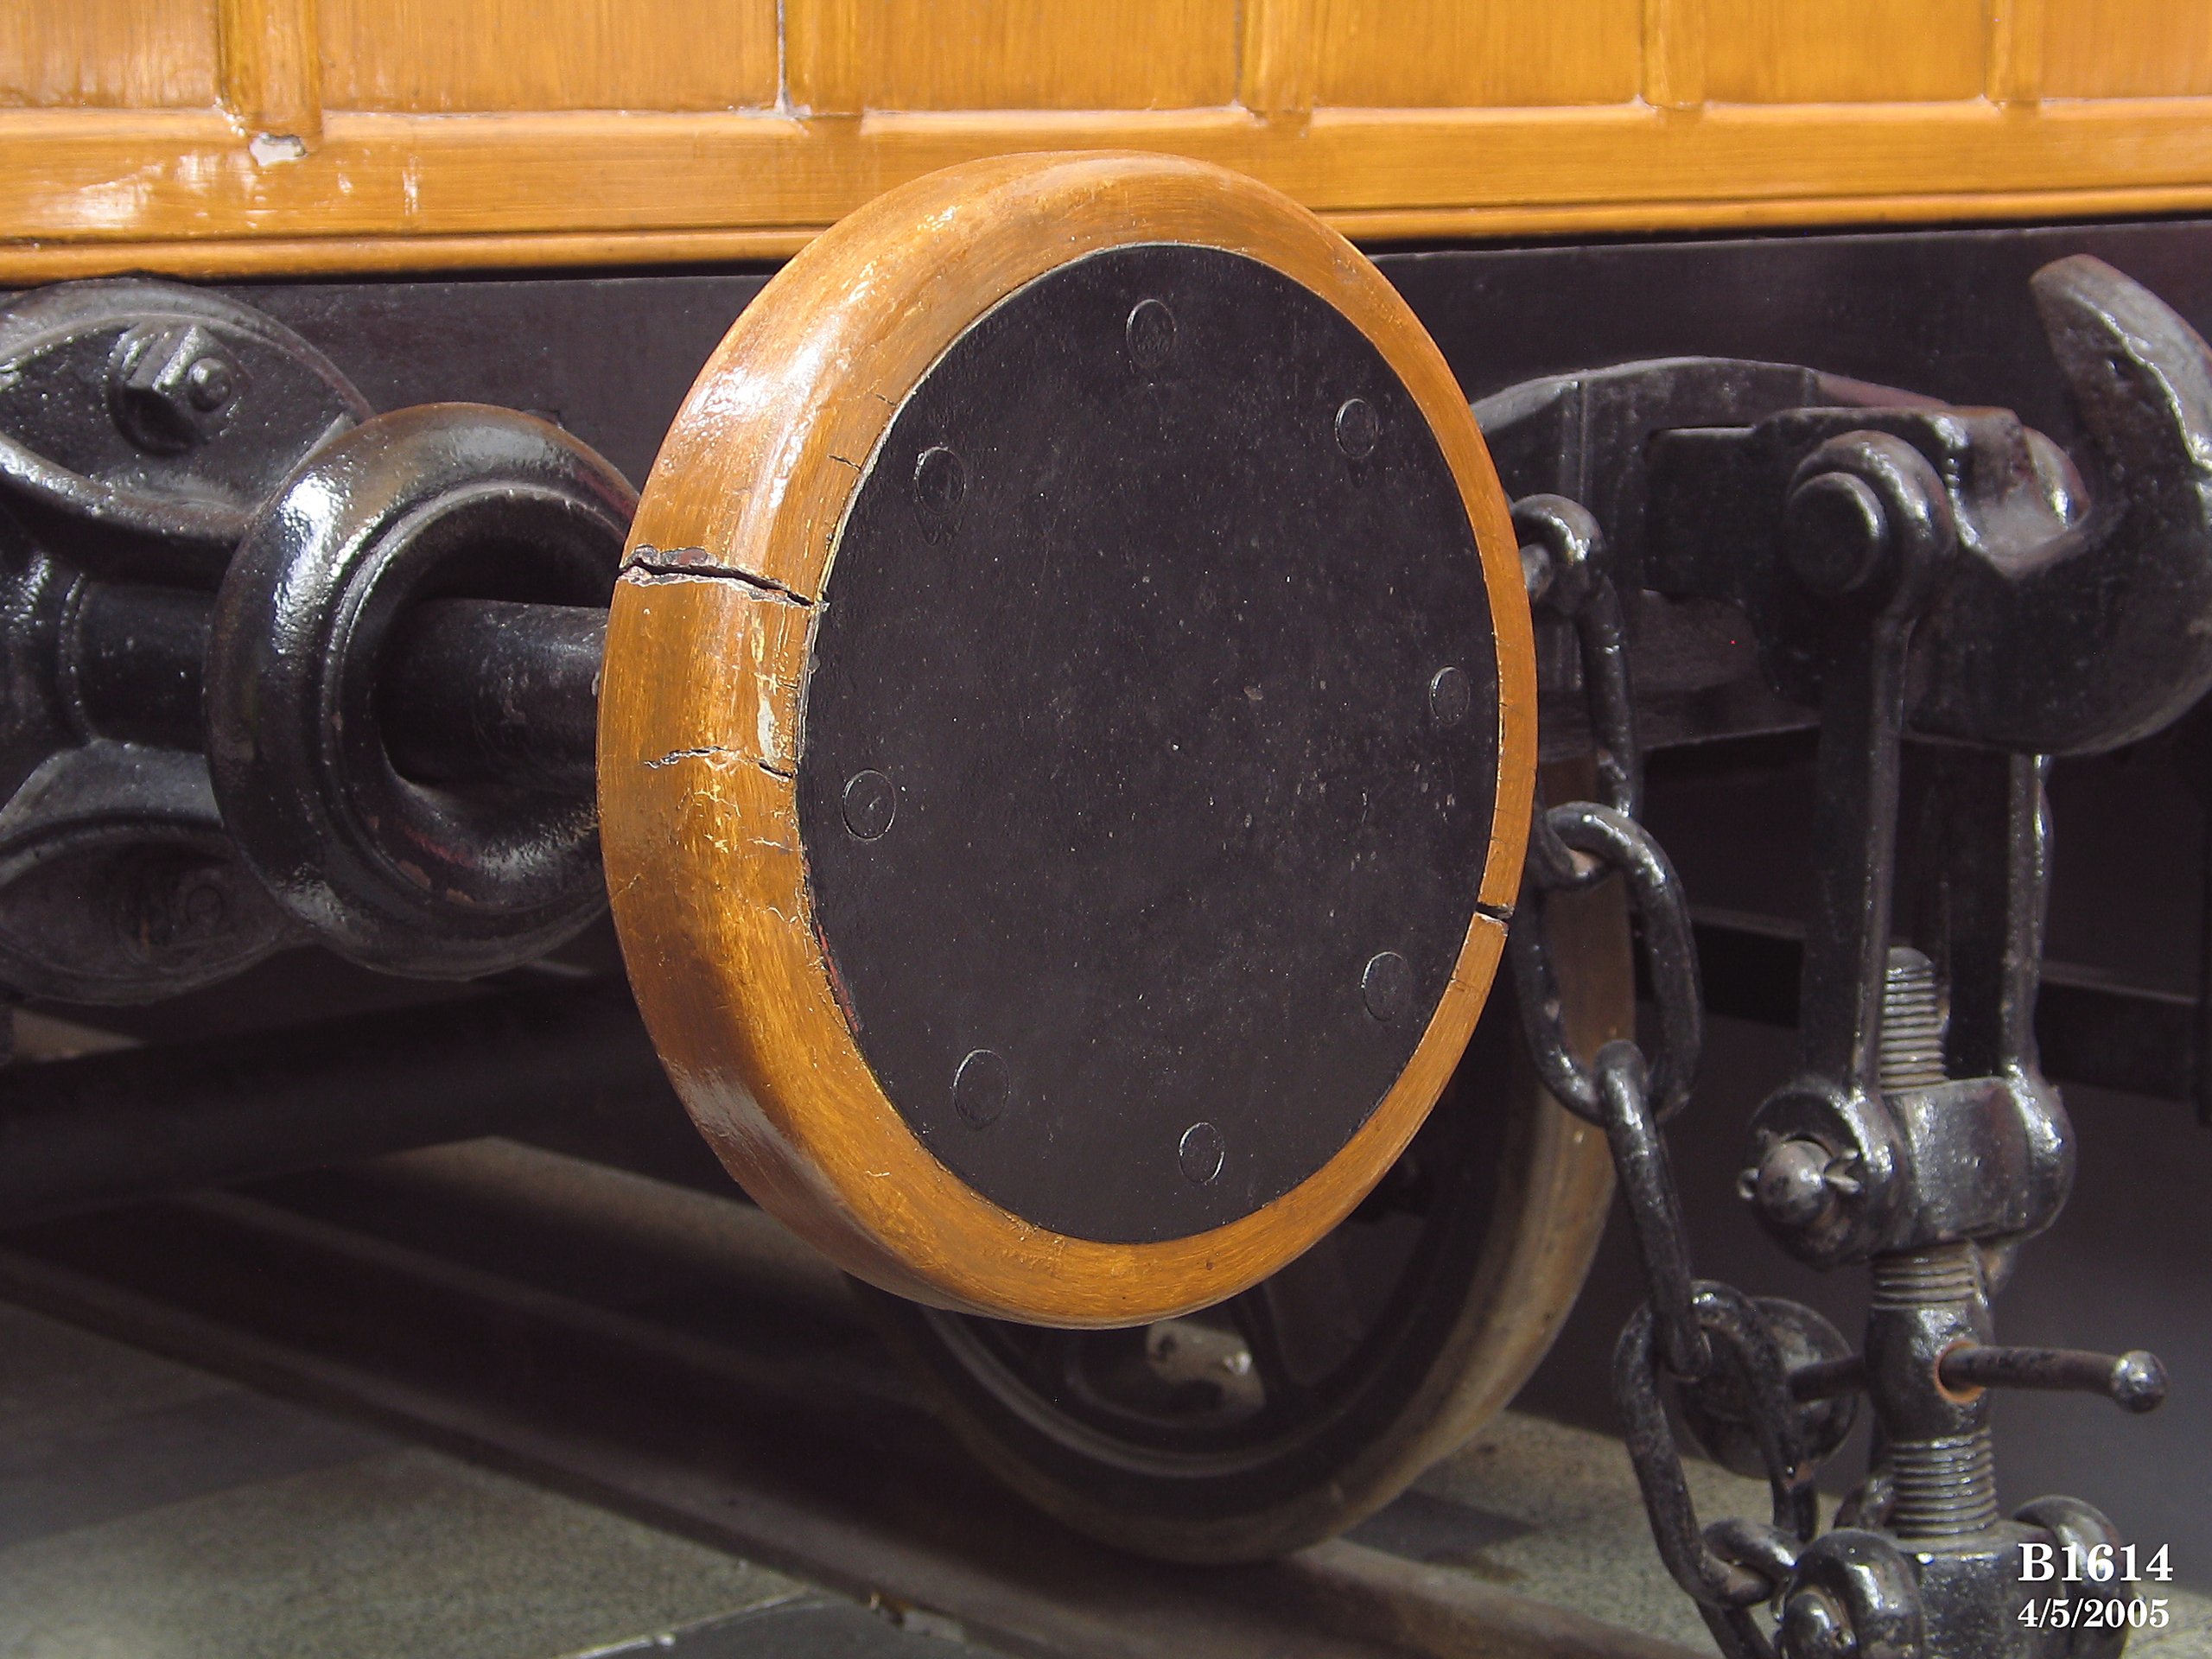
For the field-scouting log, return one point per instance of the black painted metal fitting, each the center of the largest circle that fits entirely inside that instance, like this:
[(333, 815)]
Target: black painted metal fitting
[(1866, 526), (141, 421), (494, 691), (2135, 1381), (457, 501), (1862, 1165), (1853, 1596)]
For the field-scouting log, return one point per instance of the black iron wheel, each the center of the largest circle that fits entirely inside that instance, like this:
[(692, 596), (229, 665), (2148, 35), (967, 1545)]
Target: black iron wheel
[(1285, 1414)]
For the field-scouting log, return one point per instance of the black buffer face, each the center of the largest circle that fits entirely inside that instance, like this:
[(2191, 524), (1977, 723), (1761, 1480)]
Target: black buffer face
[(1150, 744)]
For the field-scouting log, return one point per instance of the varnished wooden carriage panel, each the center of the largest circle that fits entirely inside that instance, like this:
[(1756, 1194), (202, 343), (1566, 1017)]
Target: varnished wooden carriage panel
[(206, 136)]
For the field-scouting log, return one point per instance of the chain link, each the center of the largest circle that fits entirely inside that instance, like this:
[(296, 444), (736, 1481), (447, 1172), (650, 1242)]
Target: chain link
[(1687, 1329), (1613, 843), (1654, 1214), (1563, 559)]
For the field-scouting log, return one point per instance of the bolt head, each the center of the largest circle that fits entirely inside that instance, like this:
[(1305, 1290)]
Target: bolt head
[(1359, 427), (202, 904), (174, 913), (1200, 1154), (163, 383), (1150, 336), (210, 383), (1814, 1627), (2139, 1381), (940, 481), (870, 802), (1791, 1186), (981, 1087), (1387, 987), (1835, 533), (1450, 697)]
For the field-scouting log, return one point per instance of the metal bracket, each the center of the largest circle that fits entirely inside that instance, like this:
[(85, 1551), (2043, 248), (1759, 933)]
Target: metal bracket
[(140, 424), (1909, 569)]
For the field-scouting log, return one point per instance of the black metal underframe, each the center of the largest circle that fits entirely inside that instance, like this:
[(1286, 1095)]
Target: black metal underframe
[(1945, 312), (104, 1129)]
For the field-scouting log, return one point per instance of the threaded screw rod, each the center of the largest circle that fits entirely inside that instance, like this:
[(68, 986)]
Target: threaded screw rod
[(1945, 1484)]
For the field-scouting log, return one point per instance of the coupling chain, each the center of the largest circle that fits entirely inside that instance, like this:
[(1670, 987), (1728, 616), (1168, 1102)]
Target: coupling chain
[(1688, 1330)]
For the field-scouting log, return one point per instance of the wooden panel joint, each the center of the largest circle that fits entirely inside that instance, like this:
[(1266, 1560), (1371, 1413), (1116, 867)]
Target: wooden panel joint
[(821, 57), (1277, 74), (1674, 54), (2016, 33), (271, 58)]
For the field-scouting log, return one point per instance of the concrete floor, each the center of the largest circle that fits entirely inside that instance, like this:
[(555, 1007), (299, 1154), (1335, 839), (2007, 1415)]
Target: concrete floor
[(152, 1511), (148, 1510)]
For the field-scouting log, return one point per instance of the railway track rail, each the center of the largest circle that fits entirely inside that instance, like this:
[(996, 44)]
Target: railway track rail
[(672, 1355)]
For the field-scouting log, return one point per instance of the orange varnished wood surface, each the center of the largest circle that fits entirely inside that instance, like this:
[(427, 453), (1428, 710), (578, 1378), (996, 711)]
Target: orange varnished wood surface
[(482, 56), (442, 133), (110, 53), (701, 728)]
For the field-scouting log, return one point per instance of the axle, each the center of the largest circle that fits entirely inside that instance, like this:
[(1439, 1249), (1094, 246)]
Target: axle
[(470, 690)]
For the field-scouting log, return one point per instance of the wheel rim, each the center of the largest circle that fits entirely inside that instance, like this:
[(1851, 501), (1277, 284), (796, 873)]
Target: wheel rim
[(1275, 1368)]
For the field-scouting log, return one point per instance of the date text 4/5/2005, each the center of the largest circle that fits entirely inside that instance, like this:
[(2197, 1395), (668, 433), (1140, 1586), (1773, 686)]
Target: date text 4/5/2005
[(2096, 1613)]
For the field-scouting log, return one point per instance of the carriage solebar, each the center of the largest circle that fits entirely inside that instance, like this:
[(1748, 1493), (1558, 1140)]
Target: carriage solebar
[(284, 670)]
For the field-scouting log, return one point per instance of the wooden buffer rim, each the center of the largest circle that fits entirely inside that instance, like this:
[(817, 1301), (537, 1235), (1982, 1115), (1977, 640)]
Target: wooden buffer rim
[(704, 727)]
